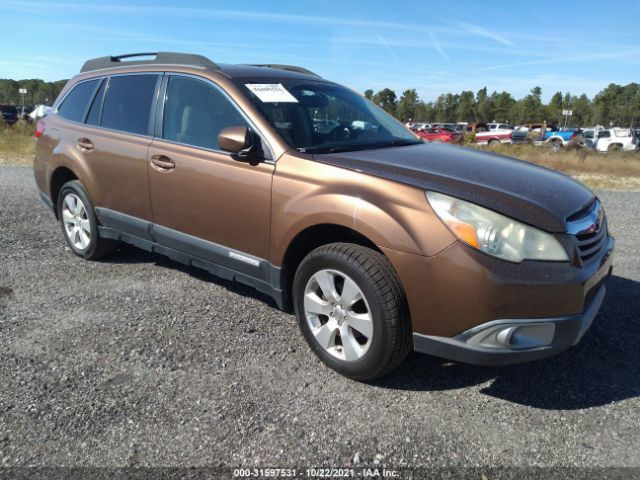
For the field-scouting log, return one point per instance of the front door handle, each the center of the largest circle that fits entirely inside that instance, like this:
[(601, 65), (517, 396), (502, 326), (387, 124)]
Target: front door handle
[(163, 163), (84, 145)]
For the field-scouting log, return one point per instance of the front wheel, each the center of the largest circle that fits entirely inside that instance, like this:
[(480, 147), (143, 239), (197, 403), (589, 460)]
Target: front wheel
[(352, 310), (79, 223)]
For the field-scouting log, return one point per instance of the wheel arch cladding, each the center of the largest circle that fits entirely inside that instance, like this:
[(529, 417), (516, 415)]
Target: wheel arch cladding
[(308, 240)]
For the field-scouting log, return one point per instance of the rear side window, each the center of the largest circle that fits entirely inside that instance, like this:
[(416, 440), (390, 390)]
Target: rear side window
[(94, 112), (127, 105), (604, 135), (196, 111), (75, 103)]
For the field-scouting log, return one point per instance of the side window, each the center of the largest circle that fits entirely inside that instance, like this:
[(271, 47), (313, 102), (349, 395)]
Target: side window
[(75, 104), (93, 118), (604, 134), (195, 112), (127, 105)]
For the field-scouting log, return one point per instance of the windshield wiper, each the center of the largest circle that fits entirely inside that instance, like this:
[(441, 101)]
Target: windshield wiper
[(398, 143), (365, 146)]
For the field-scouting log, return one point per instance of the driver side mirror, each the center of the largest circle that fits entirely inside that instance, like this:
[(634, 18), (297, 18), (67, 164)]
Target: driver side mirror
[(241, 142)]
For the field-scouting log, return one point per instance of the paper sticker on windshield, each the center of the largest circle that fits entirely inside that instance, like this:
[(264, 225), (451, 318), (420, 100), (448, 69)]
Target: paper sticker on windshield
[(271, 92)]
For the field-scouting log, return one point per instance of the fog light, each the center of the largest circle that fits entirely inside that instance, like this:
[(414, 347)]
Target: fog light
[(503, 337), (508, 335)]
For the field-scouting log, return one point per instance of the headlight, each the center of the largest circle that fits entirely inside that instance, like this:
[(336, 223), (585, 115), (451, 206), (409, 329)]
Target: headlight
[(493, 233)]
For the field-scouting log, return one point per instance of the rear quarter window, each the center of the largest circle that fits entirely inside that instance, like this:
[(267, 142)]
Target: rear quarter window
[(127, 104), (75, 104)]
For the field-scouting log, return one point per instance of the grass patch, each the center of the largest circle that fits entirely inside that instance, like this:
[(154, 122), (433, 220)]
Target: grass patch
[(17, 144), (619, 170)]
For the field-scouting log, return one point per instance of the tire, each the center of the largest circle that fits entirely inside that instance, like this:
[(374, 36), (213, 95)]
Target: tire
[(555, 145), (341, 336), (80, 224), (494, 141)]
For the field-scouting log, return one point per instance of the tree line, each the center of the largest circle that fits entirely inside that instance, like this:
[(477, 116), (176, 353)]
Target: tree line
[(616, 104), (39, 92)]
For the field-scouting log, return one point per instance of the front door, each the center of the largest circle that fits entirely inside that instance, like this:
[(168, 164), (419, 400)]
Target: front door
[(199, 192)]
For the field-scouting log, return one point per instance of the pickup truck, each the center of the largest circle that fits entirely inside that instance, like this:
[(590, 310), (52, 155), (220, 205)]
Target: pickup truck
[(493, 133), (557, 138)]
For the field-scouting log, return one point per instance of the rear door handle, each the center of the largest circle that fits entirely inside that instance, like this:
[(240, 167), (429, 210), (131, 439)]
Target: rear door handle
[(84, 145), (163, 163)]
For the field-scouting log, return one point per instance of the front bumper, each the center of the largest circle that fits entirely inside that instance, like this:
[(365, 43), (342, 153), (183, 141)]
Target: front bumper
[(502, 342)]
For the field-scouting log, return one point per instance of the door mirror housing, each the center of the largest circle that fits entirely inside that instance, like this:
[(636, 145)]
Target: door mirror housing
[(241, 142)]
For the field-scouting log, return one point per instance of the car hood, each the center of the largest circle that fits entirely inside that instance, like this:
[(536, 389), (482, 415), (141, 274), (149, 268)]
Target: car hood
[(521, 190)]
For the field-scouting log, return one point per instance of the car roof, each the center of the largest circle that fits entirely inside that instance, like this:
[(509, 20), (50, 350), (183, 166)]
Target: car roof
[(259, 71), (169, 60)]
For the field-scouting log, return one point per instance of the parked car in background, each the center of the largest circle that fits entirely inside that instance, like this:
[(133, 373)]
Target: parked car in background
[(450, 126), (40, 111), (499, 126), (25, 111), (438, 134), (9, 114), (490, 134), (420, 126), (557, 138), (614, 139)]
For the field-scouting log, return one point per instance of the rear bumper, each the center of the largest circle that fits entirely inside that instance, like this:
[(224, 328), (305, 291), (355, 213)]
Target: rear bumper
[(502, 342)]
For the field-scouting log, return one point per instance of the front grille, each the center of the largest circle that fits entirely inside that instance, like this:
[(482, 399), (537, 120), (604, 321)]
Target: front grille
[(589, 226), (589, 244)]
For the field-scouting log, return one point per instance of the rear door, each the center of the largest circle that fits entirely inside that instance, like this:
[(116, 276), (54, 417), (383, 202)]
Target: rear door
[(603, 141), (121, 121), (198, 192)]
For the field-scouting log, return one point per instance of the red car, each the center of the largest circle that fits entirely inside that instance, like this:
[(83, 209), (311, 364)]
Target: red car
[(439, 134)]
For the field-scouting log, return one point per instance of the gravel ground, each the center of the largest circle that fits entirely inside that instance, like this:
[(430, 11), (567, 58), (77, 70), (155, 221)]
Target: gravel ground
[(139, 361)]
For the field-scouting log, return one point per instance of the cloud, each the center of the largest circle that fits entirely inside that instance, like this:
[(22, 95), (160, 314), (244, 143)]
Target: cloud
[(483, 32), (438, 48), (386, 45), (568, 59)]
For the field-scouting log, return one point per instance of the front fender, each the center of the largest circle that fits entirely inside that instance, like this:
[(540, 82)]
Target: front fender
[(389, 214)]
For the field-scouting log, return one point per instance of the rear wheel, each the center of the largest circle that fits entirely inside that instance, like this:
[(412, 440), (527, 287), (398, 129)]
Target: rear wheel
[(494, 141), (555, 145), (79, 223), (614, 147), (352, 310)]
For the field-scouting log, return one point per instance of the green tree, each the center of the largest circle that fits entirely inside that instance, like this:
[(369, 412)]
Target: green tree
[(554, 109), (503, 106), (368, 94), (532, 105), (465, 110), (484, 110), (406, 108), (386, 98)]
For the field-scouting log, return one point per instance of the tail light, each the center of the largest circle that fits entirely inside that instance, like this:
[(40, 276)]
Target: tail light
[(573, 135), (40, 128)]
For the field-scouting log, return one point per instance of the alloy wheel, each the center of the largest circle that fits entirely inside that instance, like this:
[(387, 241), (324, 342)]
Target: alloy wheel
[(338, 315), (76, 221)]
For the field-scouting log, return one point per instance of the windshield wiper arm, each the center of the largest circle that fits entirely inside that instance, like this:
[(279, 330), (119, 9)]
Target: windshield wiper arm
[(362, 146)]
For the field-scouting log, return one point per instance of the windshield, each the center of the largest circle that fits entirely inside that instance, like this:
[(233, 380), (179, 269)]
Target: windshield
[(319, 117)]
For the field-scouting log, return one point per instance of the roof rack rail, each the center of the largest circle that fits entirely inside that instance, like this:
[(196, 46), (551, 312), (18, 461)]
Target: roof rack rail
[(289, 68), (164, 58)]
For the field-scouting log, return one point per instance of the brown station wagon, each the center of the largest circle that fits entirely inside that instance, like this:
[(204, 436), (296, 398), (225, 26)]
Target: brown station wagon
[(277, 178)]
